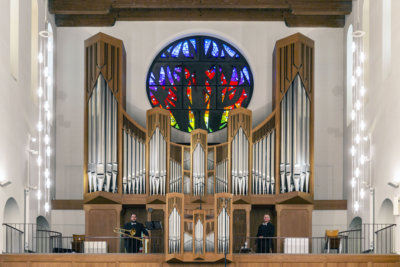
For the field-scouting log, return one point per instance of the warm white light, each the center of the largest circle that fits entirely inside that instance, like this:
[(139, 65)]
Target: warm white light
[(39, 161), (358, 104), (353, 81), (46, 173), (46, 105), (33, 139), (357, 139), (358, 71), (362, 125), (40, 91), (46, 139), (48, 151), (357, 172), (362, 159), (362, 91), (39, 194), (362, 193), (39, 126), (353, 115), (48, 115), (46, 71), (40, 57), (353, 182), (48, 183), (353, 151), (356, 206), (46, 207), (362, 57)]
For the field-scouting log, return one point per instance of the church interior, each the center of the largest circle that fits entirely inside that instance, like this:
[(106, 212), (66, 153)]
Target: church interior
[(191, 133)]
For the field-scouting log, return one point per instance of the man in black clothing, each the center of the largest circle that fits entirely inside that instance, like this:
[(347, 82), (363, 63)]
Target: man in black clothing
[(135, 229), (265, 230)]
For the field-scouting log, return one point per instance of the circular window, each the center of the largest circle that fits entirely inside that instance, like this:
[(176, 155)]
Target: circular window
[(199, 79)]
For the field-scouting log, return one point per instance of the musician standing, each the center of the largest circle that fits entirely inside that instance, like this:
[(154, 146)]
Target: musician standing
[(265, 230), (135, 229)]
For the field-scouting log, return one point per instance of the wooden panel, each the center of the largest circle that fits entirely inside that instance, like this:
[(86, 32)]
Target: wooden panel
[(94, 264), (67, 204), (14, 264), (157, 237), (297, 264), (330, 204), (51, 264), (239, 229), (294, 221)]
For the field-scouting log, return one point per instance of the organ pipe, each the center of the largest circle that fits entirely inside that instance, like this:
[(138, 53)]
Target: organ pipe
[(174, 233), (175, 179), (198, 234), (102, 145), (263, 161), (198, 170), (158, 159), (240, 166)]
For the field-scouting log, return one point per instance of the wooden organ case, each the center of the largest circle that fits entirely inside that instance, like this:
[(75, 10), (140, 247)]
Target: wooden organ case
[(209, 198)]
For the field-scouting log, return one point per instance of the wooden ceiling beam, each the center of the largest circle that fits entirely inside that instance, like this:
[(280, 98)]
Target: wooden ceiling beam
[(200, 15), (204, 4), (320, 7), (315, 21), (80, 7), (85, 20)]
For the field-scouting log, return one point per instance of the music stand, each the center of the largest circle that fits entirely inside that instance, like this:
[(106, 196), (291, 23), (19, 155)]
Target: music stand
[(153, 225)]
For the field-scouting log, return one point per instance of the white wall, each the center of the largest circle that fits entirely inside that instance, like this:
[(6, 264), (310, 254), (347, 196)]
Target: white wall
[(68, 222), (18, 114), (382, 111), (255, 40), (323, 220)]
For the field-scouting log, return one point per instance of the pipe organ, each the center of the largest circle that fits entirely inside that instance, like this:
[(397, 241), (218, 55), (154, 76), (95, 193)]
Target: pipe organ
[(197, 186)]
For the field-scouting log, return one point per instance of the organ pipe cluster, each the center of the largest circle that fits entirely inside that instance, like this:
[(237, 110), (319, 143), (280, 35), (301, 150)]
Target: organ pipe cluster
[(198, 170), (223, 231), (210, 242), (198, 237), (158, 163), (174, 233), (175, 179), (295, 139), (102, 139), (222, 177), (134, 170), (263, 165), (240, 163)]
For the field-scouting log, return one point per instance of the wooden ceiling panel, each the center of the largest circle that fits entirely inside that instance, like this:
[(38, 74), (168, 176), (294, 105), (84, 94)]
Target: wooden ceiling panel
[(295, 13)]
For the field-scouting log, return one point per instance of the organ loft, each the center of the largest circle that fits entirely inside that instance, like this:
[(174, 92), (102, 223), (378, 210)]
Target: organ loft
[(208, 197)]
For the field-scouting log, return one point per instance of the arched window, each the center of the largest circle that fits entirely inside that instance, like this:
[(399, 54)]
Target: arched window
[(199, 79)]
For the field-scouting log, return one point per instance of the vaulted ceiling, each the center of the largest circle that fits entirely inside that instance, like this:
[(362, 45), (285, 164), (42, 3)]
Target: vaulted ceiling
[(295, 13)]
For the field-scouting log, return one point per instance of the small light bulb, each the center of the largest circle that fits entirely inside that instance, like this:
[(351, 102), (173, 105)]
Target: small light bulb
[(33, 139), (353, 115), (365, 138), (357, 139), (40, 91), (48, 151), (39, 161), (362, 193), (49, 82), (362, 159), (46, 71), (46, 105), (48, 183), (46, 139), (357, 172), (358, 71), (356, 206), (362, 125), (358, 104), (46, 207), (353, 182), (46, 173), (353, 81), (362, 91), (48, 116), (353, 151), (362, 57), (39, 194), (40, 57)]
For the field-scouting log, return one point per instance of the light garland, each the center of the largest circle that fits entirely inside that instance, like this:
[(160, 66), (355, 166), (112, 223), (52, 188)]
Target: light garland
[(44, 125), (359, 138)]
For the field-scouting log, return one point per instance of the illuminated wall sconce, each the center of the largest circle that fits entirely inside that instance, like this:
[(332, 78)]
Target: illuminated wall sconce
[(4, 182)]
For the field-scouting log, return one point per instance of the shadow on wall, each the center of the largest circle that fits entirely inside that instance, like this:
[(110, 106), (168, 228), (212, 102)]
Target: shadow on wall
[(11, 211)]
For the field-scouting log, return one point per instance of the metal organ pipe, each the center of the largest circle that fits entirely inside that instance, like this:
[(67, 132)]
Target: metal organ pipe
[(240, 166), (175, 180), (264, 180), (198, 170), (223, 231), (102, 127), (158, 165), (198, 234), (222, 177), (295, 145), (174, 233)]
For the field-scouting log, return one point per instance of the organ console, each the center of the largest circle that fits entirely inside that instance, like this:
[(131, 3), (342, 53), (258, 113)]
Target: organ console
[(198, 186)]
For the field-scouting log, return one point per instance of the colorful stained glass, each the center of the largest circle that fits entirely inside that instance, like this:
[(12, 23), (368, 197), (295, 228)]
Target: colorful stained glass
[(215, 50), (185, 49), (207, 43), (229, 50), (175, 52), (199, 94)]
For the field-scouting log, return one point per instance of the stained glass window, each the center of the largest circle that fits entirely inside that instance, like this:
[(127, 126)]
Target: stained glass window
[(199, 79)]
